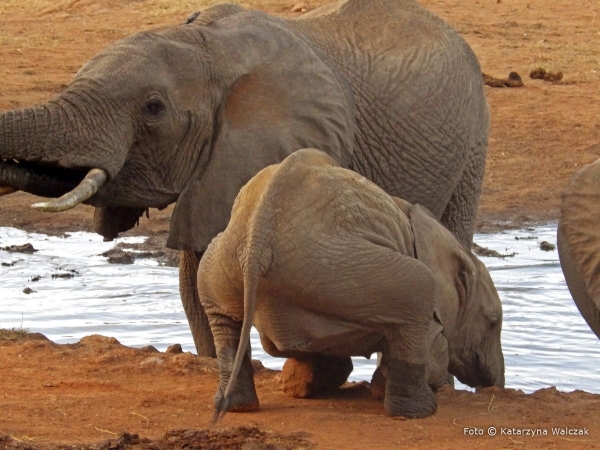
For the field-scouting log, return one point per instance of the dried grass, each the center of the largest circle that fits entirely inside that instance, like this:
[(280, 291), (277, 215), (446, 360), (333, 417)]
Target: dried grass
[(13, 334)]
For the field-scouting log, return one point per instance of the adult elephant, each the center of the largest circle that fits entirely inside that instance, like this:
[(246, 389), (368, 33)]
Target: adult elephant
[(579, 242), (190, 113)]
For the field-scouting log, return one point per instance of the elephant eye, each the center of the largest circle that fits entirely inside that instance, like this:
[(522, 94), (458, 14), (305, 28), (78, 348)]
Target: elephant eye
[(154, 107)]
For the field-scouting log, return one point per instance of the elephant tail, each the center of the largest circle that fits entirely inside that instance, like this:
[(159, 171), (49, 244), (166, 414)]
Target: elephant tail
[(255, 260)]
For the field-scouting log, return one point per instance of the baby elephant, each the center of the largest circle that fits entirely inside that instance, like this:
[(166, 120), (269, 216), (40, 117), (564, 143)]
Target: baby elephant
[(327, 266)]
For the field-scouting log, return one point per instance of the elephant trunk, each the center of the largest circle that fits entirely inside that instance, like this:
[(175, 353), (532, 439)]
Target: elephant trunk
[(23, 177), (479, 368), (47, 150)]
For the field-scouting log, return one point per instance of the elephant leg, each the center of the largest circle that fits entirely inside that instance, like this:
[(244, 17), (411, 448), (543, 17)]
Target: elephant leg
[(438, 359), (314, 375), (406, 390), (227, 336), (197, 320), (392, 295), (437, 364), (461, 211), (377, 385)]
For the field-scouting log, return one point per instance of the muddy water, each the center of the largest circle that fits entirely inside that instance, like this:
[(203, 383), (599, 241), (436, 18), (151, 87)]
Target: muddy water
[(77, 293)]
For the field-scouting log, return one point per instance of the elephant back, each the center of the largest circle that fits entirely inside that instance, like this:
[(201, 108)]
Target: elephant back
[(417, 86)]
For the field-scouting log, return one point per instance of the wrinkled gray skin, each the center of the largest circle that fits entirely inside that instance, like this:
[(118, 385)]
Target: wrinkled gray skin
[(579, 242), (190, 113), (322, 261)]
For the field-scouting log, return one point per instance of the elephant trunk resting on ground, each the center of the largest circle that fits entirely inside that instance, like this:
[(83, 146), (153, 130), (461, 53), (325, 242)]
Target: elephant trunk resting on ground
[(323, 262), (190, 113), (579, 242)]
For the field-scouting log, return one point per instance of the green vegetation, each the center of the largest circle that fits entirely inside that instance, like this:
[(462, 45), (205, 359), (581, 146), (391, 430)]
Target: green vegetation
[(13, 334)]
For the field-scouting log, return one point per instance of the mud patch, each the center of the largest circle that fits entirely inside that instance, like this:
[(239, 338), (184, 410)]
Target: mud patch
[(154, 247), (483, 251), (25, 248), (247, 438), (118, 256), (70, 273)]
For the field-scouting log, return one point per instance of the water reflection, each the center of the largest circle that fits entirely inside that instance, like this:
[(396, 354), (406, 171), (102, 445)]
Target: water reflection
[(545, 340)]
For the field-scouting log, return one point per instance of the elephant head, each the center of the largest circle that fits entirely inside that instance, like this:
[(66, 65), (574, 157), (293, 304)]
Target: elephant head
[(187, 113), (579, 242), (466, 302)]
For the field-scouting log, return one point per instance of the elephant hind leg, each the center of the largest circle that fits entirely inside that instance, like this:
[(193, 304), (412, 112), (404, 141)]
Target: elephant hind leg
[(461, 211), (315, 375), (243, 397)]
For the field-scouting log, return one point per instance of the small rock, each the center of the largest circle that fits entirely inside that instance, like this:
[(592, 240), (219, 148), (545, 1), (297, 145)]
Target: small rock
[(62, 275), (547, 246), (25, 248), (36, 278), (28, 290), (174, 349), (118, 256), (95, 339), (149, 349)]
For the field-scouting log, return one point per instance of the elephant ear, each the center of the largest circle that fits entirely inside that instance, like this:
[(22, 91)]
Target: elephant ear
[(110, 221), (448, 260), (579, 242), (404, 206), (285, 99)]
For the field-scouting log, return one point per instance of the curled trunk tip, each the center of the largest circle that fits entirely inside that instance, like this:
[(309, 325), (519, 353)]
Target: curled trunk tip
[(84, 190)]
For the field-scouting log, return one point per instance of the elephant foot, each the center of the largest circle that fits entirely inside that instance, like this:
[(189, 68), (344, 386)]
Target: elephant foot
[(406, 391), (242, 399), (237, 404), (243, 396), (314, 375)]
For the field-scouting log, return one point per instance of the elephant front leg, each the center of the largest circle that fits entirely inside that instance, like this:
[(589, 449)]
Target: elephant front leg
[(314, 375), (406, 390), (188, 290), (243, 398)]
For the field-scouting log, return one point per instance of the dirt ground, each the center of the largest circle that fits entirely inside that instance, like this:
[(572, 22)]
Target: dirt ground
[(90, 393)]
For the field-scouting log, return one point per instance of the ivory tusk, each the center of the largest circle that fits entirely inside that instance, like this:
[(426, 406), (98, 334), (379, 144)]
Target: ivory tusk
[(84, 190), (5, 190)]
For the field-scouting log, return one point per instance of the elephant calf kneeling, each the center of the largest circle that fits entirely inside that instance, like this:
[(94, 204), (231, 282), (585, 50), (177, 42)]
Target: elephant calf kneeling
[(323, 263)]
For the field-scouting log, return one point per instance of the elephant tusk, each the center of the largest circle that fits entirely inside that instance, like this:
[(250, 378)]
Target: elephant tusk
[(84, 190), (5, 190)]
